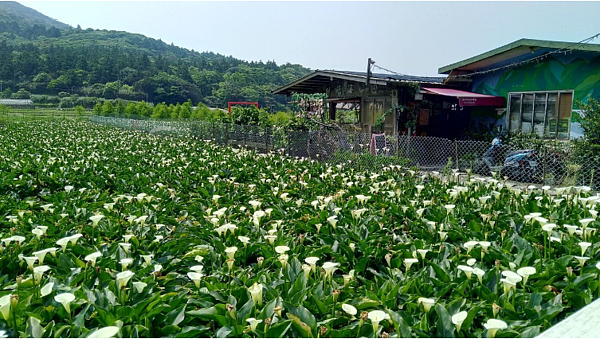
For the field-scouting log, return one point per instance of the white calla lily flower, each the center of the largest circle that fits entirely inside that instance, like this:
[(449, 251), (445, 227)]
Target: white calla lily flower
[(351, 310), (493, 325), (92, 258), (525, 272), (123, 278), (427, 303), (253, 323), (65, 299), (47, 289), (5, 306), (376, 317), (195, 277), (256, 291), (329, 268), (458, 319), (105, 332), (38, 272)]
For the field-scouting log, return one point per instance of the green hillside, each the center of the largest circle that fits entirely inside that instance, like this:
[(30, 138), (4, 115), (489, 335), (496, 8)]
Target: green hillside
[(48, 59), (11, 11)]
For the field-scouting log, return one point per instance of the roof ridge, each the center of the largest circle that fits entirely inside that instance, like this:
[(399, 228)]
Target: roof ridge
[(523, 42)]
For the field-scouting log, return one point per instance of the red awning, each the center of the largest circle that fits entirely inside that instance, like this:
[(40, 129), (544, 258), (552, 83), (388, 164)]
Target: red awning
[(468, 98)]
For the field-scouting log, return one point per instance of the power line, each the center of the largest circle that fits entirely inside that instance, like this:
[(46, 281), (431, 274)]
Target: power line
[(390, 71), (540, 57), (520, 63)]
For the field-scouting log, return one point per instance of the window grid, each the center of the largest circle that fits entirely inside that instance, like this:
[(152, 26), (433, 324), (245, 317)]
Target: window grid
[(529, 104)]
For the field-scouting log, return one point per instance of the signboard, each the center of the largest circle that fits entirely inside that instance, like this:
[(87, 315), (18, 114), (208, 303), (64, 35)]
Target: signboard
[(482, 101), (424, 117)]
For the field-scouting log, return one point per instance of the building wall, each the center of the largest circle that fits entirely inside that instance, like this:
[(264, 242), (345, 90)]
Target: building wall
[(376, 100), (577, 71)]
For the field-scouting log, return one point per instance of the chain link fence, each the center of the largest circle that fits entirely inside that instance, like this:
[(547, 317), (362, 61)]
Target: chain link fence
[(261, 138), (552, 164)]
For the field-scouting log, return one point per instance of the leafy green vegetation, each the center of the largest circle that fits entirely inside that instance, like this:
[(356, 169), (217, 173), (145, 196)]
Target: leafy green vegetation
[(113, 232), (93, 64), (590, 121), (20, 20)]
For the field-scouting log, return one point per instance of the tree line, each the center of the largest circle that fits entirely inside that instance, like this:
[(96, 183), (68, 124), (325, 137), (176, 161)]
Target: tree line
[(120, 65), (163, 111)]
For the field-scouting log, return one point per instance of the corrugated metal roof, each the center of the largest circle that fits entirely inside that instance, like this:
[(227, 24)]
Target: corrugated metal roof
[(319, 78), (403, 77)]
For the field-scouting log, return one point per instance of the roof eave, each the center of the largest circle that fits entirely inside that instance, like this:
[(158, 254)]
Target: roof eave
[(519, 43), (357, 78), (447, 69)]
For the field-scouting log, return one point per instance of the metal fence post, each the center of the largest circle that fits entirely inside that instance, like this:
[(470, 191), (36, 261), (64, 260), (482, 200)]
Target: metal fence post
[(266, 139), (544, 166), (287, 141), (456, 152)]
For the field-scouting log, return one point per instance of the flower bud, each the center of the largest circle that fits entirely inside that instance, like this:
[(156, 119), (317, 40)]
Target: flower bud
[(364, 315), (495, 309), (388, 258), (278, 311), (14, 300), (336, 294), (231, 309), (323, 330)]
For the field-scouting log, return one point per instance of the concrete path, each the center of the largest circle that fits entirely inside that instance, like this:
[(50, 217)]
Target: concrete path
[(584, 323)]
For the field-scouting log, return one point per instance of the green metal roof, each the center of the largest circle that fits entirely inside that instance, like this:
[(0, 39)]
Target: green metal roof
[(512, 50)]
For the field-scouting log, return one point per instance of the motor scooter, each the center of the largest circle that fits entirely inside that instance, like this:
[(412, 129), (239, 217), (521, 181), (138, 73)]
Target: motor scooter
[(524, 165), (490, 160), (521, 165)]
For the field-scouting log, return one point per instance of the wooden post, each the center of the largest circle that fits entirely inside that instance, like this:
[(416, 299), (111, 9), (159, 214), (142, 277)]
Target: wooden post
[(332, 109), (369, 63)]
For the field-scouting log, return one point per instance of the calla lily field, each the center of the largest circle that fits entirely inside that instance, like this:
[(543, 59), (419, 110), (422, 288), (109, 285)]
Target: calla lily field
[(116, 233)]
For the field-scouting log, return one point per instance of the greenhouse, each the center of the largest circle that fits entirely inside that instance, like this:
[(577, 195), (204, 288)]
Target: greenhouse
[(18, 103)]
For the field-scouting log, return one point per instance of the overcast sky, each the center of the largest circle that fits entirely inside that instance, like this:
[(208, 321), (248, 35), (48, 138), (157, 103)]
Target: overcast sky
[(409, 37)]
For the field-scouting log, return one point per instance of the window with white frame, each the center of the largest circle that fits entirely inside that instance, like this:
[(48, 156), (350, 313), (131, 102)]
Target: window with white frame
[(547, 114)]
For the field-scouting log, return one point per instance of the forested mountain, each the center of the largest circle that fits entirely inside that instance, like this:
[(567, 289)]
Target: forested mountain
[(43, 56), (14, 13)]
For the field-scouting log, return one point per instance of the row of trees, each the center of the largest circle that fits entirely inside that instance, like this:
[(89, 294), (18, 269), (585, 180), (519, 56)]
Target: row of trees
[(145, 110), (239, 115)]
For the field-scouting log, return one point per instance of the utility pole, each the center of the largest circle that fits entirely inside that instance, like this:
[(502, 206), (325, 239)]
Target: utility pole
[(369, 63)]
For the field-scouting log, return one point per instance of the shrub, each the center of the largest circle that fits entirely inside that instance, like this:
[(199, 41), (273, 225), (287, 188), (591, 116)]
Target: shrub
[(21, 94)]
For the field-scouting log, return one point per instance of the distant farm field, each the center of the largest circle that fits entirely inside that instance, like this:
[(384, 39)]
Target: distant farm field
[(108, 232)]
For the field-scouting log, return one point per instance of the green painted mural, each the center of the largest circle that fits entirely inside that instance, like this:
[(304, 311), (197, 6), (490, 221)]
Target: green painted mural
[(581, 74), (576, 71)]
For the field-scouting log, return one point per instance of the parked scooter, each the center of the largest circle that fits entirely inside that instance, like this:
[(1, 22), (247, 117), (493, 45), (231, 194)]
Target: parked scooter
[(521, 165), (490, 160)]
